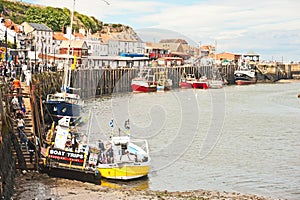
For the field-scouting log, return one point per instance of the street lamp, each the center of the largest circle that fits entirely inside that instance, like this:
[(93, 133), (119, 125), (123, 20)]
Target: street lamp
[(46, 56), (42, 50), (34, 57), (42, 40), (54, 51)]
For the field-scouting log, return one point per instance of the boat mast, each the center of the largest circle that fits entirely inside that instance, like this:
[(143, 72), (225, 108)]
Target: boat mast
[(215, 64), (67, 81), (89, 126), (67, 64), (216, 54)]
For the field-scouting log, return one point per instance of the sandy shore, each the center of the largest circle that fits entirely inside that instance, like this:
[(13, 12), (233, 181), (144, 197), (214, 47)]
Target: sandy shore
[(289, 81), (34, 185)]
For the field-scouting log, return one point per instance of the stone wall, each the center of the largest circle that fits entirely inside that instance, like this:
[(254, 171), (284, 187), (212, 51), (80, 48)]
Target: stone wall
[(7, 163), (7, 167)]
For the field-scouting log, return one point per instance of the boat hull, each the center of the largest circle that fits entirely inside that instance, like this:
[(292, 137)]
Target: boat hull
[(73, 174), (59, 109), (196, 85), (245, 77), (216, 84), (245, 82), (185, 85), (160, 88), (141, 88), (200, 85), (124, 171)]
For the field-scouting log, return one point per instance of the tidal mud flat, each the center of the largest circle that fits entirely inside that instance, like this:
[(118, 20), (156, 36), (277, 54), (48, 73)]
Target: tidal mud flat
[(34, 185)]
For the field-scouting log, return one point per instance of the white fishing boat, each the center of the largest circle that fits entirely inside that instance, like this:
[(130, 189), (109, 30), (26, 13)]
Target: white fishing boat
[(245, 73), (216, 84), (162, 81)]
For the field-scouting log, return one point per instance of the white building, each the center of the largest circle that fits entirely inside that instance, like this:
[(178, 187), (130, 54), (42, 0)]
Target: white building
[(41, 39), (11, 34)]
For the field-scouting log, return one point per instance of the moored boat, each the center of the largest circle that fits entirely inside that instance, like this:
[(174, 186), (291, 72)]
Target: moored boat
[(190, 81), (163, 83), (122, 157), (66, 156), (245, 74), (202, 83), (216, 84), (145, 82), (65, 103), (217, 81), (69, 152), (245, 82)]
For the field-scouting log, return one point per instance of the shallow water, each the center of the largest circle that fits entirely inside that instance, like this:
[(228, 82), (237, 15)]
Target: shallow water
[(240, 138)]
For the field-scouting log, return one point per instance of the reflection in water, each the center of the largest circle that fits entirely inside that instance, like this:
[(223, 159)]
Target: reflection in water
[(138, 184)]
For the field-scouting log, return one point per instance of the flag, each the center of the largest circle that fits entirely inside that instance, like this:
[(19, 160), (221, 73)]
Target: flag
[(73, 67), (111, 123), (126, 125)]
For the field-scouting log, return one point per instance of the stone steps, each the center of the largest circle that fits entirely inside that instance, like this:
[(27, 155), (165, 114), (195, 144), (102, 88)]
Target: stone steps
[(28, 118)]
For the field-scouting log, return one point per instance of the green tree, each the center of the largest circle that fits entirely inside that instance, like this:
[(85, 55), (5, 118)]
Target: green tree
[(55, 18), (33, 14)]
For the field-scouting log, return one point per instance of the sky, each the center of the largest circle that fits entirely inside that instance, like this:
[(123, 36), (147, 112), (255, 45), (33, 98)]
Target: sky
[(270, 28)]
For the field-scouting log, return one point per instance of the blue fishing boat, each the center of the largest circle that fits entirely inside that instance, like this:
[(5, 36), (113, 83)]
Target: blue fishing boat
[(66, 103)]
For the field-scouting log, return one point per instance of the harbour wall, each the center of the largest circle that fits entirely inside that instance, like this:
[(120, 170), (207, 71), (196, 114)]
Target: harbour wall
[(96, 82), (7, 162)]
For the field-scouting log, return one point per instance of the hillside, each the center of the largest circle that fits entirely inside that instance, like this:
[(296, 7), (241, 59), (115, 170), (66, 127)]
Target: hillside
[(55, 18)]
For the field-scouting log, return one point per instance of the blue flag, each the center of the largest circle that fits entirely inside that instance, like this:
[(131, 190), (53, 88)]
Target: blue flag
[(111, 123)]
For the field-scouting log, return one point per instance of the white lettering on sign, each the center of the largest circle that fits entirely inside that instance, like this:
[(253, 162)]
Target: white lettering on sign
[(74, 155), (57, 152)]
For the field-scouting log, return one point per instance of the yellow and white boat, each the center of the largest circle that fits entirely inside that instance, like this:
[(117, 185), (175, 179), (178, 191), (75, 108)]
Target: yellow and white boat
[(124, 158)]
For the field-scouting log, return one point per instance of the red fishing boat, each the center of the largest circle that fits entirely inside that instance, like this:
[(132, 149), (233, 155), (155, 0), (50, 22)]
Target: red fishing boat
[(190, 81), (145, 82)]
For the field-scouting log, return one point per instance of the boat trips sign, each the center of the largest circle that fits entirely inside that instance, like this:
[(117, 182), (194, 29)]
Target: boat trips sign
[(66, 155)]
